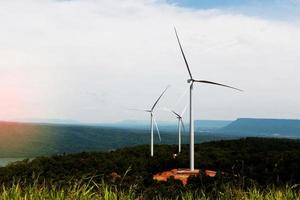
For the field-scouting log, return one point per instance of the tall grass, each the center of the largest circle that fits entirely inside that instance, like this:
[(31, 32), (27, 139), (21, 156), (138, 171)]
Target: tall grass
[(103, 191), (78, 191)]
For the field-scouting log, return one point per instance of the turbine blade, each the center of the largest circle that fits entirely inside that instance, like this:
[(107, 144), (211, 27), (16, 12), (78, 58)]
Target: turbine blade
[(183, 127), (159, 98), (186, 63), (175, 113), (172, 111), (157, 128), (183, 94), (219, 84), (183, 111)]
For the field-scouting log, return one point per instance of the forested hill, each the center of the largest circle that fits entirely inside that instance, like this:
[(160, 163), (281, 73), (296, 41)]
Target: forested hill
[(264, 127), (266, 161)]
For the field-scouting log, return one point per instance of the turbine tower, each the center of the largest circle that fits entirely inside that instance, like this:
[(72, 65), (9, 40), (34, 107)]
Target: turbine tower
[(191, 81), (153, 121)]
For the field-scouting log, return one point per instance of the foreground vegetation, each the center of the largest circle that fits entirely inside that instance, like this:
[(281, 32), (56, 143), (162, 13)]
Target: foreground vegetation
[(251, 168), (103, 191)]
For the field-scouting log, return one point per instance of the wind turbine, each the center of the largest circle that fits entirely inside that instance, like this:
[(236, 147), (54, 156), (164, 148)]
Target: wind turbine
[(180, 125), (191, 81), (153, 121)]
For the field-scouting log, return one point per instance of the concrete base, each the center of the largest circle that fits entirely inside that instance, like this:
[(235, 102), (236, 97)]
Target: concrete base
[(181, 174), (178, 174), (188, 171)]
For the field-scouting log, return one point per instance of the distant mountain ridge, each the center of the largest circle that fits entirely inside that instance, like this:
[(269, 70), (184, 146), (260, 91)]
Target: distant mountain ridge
[(200, 125), (263, 127), (22, 140), (30, 139), (210, 125)]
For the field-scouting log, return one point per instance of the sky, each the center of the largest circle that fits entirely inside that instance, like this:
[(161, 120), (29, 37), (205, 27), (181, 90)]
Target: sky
[(94, 61)]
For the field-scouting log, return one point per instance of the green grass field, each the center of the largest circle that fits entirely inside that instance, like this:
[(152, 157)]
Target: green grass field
[(103, 191)]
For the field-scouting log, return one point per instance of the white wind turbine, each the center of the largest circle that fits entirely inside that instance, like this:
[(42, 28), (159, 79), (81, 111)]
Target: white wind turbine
[(180, 125), (153, 121), (191, 81)]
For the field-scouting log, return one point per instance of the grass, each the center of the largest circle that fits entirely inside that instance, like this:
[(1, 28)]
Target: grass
[(103, 191), (77, 191)]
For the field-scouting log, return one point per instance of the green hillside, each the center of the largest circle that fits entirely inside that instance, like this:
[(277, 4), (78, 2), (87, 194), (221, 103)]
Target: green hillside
[(260, 159), (256, 165), (21, 140)]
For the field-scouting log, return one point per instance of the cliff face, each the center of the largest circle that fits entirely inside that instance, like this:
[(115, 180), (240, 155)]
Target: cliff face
[(264, 127)]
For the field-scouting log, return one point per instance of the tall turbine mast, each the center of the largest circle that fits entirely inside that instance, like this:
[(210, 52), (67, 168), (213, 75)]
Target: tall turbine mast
[(191, 81)]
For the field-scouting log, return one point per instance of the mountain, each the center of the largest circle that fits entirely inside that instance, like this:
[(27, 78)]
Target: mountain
[(200, 125), (137, 124), (19, 140), (31, 140), (210, 125), (263, 127)]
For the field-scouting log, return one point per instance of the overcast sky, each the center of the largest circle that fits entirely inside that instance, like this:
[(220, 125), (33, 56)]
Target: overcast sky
[(93, 60)]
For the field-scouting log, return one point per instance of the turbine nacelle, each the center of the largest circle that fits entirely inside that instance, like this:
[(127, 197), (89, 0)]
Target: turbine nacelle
[(190, 80)]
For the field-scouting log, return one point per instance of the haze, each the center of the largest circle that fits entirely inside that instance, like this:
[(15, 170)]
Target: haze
[(91, 60)]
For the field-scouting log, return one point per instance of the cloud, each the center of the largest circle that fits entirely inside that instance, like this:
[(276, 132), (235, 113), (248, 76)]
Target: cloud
[(125, 52)]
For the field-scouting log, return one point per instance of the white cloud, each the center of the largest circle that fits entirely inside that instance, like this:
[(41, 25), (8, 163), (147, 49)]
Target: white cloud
[(124, 52)]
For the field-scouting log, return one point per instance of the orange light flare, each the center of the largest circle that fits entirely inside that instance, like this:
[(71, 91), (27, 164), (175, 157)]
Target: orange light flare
[(181, 174), (13, 95)]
